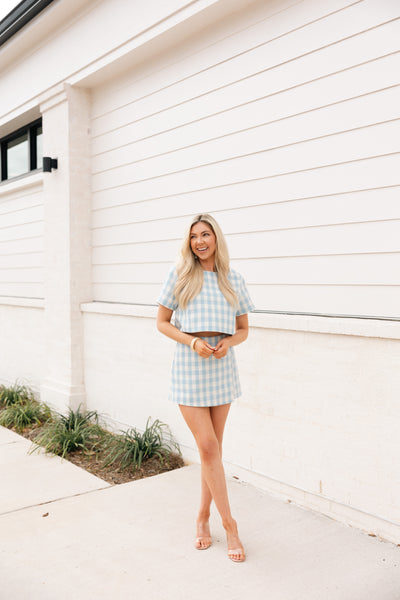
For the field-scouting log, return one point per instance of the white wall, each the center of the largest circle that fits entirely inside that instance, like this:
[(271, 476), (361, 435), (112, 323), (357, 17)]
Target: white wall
[(22, 344), (22, 238), (282, 121), (22, 353)]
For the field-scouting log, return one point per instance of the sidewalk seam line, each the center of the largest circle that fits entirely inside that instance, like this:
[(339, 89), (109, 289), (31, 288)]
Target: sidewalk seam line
[(107, 486)]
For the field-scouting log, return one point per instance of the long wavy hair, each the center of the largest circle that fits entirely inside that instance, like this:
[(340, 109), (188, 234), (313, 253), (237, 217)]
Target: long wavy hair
[(190, 273)]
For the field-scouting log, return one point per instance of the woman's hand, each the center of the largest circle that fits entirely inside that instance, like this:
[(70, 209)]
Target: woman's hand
[(203, 349), (221, 349)]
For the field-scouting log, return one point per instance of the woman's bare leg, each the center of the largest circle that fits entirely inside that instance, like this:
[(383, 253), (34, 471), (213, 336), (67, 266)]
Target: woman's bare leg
[(218, 417), (203, 423)]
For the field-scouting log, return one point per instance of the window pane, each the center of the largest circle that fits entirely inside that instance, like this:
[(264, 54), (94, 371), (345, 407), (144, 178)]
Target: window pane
[(39, 147), (18, 156)]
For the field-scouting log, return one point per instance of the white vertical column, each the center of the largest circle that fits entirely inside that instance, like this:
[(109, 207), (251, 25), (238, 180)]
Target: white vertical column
[(67, 243)]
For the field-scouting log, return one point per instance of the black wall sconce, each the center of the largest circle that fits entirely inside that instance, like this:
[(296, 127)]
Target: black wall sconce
[(49, 164)]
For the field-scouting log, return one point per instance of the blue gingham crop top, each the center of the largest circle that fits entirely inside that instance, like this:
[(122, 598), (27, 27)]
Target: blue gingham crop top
[(209, 310)]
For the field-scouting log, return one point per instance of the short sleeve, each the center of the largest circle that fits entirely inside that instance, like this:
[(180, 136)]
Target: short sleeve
[(245, 302), (167, 297)]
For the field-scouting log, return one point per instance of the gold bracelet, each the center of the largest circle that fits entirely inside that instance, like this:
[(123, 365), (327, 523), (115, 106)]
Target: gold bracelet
[(192, 343)]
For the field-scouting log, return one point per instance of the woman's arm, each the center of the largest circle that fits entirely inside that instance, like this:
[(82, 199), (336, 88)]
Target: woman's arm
[(165, 326), (240, 335)]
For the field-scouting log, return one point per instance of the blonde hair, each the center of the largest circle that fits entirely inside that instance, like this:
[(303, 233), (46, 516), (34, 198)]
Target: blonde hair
[(190, 273)]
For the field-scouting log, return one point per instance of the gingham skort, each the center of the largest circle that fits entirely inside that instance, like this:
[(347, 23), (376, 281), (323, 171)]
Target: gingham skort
[(198, 381)]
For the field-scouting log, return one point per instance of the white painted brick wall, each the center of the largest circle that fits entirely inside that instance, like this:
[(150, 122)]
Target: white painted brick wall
[(22, 345)]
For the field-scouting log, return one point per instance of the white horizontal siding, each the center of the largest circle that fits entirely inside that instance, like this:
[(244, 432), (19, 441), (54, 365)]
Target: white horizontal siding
[(254, 51), (259, 242), (22, 243), (328, 299), (337, 186), (378, 269), (222, 168), (359, 112), (285, 125), (351, 207)]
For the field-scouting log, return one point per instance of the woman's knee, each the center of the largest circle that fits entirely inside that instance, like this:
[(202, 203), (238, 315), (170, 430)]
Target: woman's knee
[(209, 448)]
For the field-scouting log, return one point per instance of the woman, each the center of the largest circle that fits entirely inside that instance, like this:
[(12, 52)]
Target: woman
[(211, 303)]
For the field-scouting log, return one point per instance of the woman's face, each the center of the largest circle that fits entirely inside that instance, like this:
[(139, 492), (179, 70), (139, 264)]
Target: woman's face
[(203, 242)]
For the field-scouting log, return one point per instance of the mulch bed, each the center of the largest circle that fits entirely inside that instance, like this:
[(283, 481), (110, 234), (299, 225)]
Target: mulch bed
[(113, 474)]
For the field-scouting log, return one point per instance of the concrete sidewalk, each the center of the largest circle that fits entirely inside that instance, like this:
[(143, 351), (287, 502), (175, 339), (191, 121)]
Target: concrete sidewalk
[(136, 540)]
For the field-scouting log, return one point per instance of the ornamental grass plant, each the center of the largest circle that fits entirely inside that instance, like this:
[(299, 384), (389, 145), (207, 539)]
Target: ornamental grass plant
[(21, 415), (15, 394), (131, 447), (74, 431)]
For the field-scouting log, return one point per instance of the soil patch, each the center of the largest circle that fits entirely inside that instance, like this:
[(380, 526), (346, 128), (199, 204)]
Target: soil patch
[(113, 474)]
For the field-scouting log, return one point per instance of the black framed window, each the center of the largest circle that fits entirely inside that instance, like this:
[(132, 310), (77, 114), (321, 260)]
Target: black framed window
[(21, 151)]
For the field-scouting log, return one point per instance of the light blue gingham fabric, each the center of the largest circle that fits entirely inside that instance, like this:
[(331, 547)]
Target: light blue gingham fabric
[(209, 310), (198, 381)]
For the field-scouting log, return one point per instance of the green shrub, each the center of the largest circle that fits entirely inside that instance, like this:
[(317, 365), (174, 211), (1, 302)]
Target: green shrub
[(73, 431), (15, 394), (21, 415), (132, 447)]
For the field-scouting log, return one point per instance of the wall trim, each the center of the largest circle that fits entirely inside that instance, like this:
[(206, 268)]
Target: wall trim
[(31, 179), (374, 328), (24, 302), (125, 310)]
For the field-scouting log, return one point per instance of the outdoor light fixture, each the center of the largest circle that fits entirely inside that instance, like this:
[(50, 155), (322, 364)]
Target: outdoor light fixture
[(49, 164)]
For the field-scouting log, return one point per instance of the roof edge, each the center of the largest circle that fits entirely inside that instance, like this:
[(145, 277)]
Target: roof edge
[(20, 15)]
